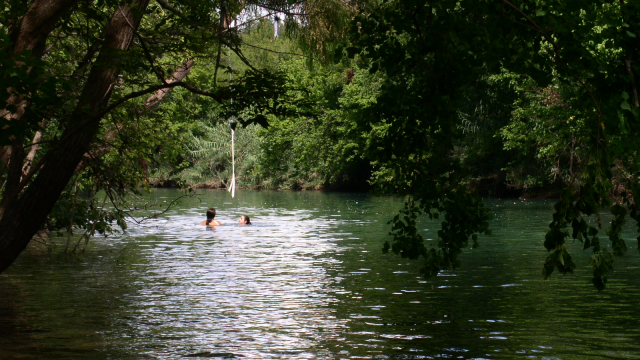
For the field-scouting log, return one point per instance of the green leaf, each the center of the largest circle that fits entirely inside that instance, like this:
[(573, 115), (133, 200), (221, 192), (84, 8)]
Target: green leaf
[(553, 239), (625, 105)]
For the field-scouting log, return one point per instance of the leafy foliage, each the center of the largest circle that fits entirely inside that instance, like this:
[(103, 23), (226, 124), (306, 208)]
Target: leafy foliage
[(209, 155), (574, 66), (322, 148)]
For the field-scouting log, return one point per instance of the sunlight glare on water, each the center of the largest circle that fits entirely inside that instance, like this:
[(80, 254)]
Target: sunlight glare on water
[(257, 291)]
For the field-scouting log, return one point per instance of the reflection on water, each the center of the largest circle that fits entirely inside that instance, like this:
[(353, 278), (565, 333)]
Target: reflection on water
[(257, 291), (308, 281)]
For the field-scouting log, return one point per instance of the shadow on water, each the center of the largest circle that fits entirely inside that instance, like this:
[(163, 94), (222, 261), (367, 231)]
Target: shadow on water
[(308, 281)]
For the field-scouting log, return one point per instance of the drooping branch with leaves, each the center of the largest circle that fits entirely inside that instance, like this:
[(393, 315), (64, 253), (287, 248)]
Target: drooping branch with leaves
[(433, 52)]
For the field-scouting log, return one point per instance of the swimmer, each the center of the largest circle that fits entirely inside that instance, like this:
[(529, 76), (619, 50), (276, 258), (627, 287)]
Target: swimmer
[(244, 220), (211, 213)]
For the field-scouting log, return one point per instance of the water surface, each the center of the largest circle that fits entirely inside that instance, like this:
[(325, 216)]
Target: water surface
[(308, 281)]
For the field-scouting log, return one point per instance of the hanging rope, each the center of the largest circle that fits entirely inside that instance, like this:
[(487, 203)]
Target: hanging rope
[(232, 186), (232, 125)]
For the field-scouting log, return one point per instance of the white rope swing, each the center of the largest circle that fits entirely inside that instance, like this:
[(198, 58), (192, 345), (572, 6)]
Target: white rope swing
[(232, 186), (232, 125)]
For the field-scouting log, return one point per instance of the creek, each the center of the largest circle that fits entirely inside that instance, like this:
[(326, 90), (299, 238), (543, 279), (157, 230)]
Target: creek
[(308, 280)]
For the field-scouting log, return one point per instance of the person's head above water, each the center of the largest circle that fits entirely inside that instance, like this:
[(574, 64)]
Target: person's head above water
[(211, 213), (244, 220)]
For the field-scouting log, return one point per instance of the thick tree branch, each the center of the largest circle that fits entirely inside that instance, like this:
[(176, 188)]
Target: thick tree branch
[(179, 75), (215, 72), (35, 144), (97, 116)]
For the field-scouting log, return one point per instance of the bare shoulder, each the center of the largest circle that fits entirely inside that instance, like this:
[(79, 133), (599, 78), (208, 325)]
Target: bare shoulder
[(212, 223)]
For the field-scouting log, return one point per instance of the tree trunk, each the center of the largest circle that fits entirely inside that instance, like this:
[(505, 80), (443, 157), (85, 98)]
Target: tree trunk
[(22, 220), (34, 29), (31, 34)]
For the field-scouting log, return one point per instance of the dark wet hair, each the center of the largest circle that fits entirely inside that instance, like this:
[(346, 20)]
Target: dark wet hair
[(245, 217), (211, 213)]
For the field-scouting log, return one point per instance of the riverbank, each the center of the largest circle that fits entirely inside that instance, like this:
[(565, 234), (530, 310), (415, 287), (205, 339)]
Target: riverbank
[(494, 187), (489, 187)]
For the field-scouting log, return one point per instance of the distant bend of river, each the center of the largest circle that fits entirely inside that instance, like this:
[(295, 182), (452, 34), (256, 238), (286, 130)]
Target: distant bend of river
[(308, 280)]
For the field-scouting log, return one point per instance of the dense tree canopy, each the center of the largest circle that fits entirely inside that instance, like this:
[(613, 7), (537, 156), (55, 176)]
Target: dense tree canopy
[(422, 98)]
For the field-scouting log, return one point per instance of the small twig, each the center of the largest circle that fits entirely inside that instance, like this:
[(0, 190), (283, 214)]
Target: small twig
[(278, 52), (87, 235), (42, 239), (537, 28), (93, 227), (236, 50), (558, 58), (166, 6)]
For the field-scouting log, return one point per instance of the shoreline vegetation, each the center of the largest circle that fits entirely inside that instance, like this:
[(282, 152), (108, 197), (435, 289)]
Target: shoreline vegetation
[(490, 187)]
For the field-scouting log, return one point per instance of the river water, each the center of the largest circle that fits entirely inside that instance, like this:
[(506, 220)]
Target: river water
[(308, 281)]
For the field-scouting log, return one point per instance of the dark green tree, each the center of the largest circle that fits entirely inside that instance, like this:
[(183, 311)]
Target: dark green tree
[(433, 52)]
